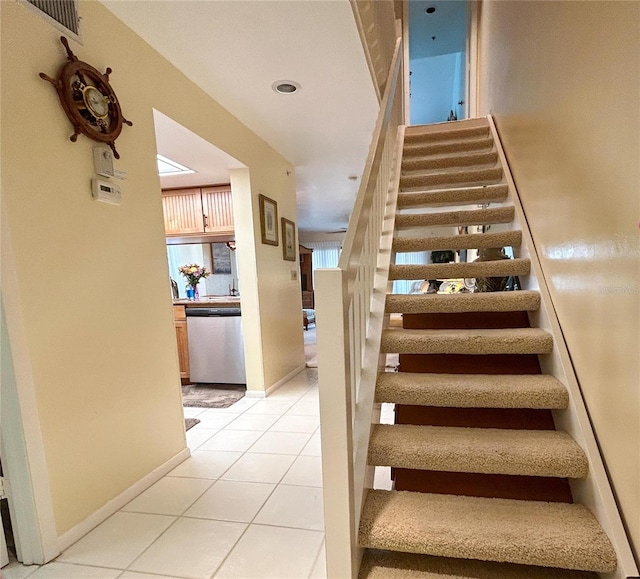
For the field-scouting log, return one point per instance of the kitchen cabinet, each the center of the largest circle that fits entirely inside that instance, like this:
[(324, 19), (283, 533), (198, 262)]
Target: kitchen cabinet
[(198, 211), (180, 322)]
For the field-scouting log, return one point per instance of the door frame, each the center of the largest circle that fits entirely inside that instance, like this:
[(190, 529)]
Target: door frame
[(472, 76), (471, 107), (406, 70), (22, 449)]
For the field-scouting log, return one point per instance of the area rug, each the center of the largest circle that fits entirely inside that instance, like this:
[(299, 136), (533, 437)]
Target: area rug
[(190, 423), (212, 395)]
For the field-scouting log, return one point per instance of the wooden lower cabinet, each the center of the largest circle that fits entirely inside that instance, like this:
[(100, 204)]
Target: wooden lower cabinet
[(180, 321)]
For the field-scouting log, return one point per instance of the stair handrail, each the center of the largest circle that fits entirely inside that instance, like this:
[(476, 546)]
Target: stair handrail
[(350, 319), (594, 491)]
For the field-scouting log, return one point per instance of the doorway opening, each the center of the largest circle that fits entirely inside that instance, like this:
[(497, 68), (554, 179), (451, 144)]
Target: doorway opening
[(202, 252), (8, 551), (438, 61)]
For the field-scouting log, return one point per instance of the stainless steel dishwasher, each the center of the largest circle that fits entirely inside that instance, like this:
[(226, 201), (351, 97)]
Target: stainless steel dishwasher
[(216, 347)]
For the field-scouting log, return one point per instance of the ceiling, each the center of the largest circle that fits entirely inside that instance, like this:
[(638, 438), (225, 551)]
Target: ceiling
[(444, 31), (235, 50)]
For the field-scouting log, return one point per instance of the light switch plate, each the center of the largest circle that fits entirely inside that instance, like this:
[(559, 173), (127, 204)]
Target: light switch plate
[(294, 275)]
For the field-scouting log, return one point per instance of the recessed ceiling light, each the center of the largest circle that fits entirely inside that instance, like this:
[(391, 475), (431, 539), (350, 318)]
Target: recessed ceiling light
[(430, 10), (169, 167), (285, 86)]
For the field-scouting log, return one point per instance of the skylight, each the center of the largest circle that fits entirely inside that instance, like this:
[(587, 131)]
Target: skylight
[(169, 167)]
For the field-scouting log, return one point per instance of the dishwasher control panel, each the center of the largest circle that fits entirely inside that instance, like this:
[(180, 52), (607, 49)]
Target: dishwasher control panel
[(212, 312)]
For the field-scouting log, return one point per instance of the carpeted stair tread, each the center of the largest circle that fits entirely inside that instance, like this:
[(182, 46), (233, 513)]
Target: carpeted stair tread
[(465, 241), (501, 268), (472, 390), (426, 134), (504, 530), (426, 148), (395, 565), (477, 450), (473, 217), (472, 341), (466, 159), (505, 301), (454, 196), (443, 179)]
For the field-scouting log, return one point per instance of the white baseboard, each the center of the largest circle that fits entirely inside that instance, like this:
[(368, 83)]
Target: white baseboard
[(276, 385), (81, 529)]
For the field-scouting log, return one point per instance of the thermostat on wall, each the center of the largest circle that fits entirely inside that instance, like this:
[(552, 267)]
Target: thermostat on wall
[(106, 192), (103, 161)]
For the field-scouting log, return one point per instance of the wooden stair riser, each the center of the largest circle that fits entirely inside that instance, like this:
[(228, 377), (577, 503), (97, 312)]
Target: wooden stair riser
[(470, 364), (466, 320), (456, 218), (524, 488), (505, 418)]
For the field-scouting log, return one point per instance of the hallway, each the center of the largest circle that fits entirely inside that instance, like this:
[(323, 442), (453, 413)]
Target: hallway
[(247, 504)]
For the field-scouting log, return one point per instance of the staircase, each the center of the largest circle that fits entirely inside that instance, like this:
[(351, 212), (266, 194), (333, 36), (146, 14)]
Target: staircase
[(481, 474)]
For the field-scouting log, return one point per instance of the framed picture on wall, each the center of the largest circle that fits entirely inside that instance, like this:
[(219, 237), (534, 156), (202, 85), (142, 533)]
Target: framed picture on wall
[(288, 240), (221, 258), (268, 220)]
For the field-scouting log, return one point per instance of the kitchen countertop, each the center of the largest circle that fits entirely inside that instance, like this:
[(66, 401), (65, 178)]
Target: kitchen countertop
[(210, 302)]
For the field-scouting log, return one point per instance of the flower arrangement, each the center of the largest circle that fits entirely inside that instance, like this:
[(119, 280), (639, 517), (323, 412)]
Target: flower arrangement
[(193, 273)]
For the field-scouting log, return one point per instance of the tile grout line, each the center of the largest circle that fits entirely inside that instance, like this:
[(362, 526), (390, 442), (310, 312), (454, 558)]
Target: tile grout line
[(287, 408), (259, 510), (317, 558)]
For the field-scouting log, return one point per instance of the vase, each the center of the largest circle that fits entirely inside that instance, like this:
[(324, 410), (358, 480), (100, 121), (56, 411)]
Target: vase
[(196, 295)]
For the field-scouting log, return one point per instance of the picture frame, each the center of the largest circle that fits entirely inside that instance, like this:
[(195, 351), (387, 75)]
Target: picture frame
[(268, 220), (221, 259), (288, 239)]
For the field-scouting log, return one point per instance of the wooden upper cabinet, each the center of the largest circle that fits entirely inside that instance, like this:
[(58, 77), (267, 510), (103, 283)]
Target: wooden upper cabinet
[(198, 210), (217, 207), (182, 211)]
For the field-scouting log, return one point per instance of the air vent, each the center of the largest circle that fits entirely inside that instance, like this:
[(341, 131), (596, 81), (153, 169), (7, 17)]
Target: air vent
[(64, 12)]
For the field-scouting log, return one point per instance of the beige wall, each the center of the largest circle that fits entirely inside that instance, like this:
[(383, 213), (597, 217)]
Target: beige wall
[(102, 356), (563, 81)]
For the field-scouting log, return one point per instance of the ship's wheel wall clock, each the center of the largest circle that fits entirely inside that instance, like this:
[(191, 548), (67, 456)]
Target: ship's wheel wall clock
[(88, 100)]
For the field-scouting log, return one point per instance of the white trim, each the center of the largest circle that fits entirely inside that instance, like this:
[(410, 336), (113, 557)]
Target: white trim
[(471, 72), (276, 385), (406, 69), (594, 491), (23, 456), (81, 529)]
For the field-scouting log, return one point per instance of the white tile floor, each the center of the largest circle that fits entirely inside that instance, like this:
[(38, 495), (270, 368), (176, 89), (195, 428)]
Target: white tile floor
[(247, 503)]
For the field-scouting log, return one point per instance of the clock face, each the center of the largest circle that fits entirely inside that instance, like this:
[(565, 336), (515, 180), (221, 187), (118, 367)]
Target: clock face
[(96, 102)]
